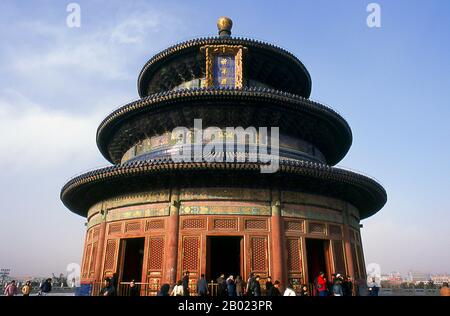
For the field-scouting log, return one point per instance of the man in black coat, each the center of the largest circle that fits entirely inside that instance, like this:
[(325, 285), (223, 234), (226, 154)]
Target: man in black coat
[(347, 286), (108, 289), (46, 287), (186, 284), (257, 287), (274, 290), (222, 285)]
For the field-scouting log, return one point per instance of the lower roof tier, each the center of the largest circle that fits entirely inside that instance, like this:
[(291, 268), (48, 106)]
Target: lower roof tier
[(83, 191), (161, 113)]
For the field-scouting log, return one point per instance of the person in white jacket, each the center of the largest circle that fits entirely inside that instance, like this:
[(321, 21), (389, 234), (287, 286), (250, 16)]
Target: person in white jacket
[(178, 289), (289, 291)]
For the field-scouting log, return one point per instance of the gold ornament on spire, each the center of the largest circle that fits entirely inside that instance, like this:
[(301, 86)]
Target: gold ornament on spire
[(224, 24)]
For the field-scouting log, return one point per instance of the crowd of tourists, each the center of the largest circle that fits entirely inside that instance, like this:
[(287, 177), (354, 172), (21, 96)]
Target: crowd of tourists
[(236, 286), (12, 288), (231, 286)]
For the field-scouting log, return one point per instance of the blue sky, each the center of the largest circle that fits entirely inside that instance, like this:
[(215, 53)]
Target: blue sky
[(390, 83)]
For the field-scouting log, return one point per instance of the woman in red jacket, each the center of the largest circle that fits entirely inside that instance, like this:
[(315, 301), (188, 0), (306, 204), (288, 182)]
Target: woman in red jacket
[(321, 284)]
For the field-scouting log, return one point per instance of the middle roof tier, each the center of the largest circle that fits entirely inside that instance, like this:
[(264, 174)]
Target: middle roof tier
[(297, 118)]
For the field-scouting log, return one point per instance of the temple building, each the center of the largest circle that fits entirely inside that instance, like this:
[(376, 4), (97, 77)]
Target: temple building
[(151, 217)]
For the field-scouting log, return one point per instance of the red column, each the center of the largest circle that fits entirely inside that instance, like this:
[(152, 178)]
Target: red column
[(170, 267), (278, 257)]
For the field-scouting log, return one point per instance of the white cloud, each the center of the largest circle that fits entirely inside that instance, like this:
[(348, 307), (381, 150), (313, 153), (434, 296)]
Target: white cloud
[(134, 30), (99, 53), (33, 136), (89, 55)]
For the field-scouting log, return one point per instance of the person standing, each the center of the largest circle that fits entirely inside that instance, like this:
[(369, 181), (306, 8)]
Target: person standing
[(321, 284), (221, 285), (330, 284), (304, 290), (134, 290), (46, 287), (239, 286), (114, 281), (164, 290), (347, 286), (178, 289), (445, 290), (274, 290), (202, 286), (186, 284), (26, 289), (250, 284), (231, 286), (256, 287), (11, 289), (269, 284), (289, 291), (337, 286), (373, 287), (108, 289)]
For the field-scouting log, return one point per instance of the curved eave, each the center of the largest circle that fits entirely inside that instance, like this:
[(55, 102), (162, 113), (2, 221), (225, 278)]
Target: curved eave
[(283, 101), (83, 191), (193, 46)]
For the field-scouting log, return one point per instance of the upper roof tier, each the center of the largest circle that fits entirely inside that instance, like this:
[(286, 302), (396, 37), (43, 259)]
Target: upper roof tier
[(263, 64)]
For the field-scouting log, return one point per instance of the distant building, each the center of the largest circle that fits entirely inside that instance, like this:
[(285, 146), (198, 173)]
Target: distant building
[(417, 277), (393, 279), (438, 279)]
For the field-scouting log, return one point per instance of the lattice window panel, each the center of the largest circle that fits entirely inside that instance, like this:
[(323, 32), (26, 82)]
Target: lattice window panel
[(156, 253), (93, 257), (259, 253), (194, 223), (316, 228), (256, 224), (191, 246), (355, 263), (156, 224), (133, 227), (96, 232), (87, 257), (294, 225), (110, 255), (338, 255), (115, 228), (225, 223), (294, 261), (335, 230)]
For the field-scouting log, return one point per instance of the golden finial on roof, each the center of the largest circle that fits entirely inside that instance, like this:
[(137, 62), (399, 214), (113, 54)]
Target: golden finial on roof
[(224, 24)]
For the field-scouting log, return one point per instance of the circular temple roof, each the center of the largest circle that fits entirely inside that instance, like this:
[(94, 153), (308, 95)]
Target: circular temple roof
[(274, 93), (263, 62), (158, 113), (85, 190)]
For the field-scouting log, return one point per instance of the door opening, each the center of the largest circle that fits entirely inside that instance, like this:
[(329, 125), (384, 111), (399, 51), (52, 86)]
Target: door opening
[(317, 257), (223, 256), (132, 259)]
